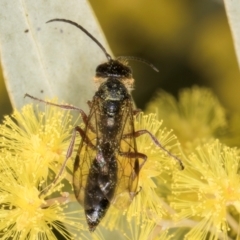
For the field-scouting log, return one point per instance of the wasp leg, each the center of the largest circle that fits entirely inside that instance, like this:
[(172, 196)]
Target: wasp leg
[(89, 103), (68, 155), (66, 107), (136, 112), (135, 155), (137, 167), (63, 106), (140, 189), (141, 132)]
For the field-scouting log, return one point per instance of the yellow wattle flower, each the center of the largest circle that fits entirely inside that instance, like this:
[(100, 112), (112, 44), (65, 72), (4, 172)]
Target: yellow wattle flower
[(23, 214), (31, 144), (195, 116), (206, 189), (42, 136)]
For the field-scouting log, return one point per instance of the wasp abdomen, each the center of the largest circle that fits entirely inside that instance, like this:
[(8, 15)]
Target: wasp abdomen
[(99, 191)]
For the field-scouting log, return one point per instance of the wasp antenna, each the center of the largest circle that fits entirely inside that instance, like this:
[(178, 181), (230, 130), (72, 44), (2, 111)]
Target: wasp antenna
[(85, 31), (138, 60)]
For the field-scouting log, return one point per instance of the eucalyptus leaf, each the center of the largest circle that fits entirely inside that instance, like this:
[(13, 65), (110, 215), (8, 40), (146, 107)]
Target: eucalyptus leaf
[(233, 13), (49, 60)]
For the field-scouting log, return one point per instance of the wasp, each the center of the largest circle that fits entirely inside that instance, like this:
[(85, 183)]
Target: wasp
[(107, 165)]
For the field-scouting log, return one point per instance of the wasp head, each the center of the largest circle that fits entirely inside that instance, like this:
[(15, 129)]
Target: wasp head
[(115, 69)]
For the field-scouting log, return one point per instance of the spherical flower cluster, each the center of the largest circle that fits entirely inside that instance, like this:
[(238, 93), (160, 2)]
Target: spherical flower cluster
[(206, 189), (195, 117), (33, 146)]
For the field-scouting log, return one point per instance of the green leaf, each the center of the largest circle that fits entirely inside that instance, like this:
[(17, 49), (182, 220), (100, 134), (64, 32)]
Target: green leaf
[(233, 13), (49, 60)]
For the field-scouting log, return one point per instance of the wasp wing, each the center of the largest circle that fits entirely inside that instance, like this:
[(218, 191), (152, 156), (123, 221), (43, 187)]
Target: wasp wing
[(86, 153), (128, 162)]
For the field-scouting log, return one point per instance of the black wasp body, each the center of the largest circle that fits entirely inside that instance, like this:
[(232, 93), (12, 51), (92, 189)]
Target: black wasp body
[(109, 119), (107, 164)]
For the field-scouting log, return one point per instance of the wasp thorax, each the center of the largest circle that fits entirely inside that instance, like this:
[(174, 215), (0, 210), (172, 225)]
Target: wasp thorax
[(112, 89), (111, 108)]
